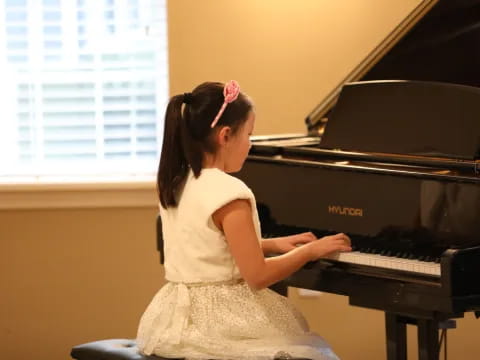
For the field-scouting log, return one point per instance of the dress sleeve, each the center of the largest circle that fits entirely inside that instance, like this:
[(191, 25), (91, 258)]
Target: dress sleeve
[(223, 190), (219, 189)]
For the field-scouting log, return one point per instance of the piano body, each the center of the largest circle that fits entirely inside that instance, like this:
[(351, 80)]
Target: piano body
[(392, 158)]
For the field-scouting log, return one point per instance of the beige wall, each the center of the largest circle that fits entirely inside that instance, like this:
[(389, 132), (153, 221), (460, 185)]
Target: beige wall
[(287, 55), (68, 276)]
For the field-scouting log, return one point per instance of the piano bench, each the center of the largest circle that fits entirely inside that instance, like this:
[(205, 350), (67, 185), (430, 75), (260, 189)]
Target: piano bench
[(125, 349), (112, 349)]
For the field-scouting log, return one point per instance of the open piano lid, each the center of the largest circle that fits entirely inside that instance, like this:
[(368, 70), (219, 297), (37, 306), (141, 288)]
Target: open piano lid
[(406, 117), (421, 116)]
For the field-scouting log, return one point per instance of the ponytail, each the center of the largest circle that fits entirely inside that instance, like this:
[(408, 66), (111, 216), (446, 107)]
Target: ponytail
[(173, 167)]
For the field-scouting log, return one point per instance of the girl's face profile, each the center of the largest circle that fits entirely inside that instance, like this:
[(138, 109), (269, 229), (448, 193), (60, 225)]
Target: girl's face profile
[(239, 145)]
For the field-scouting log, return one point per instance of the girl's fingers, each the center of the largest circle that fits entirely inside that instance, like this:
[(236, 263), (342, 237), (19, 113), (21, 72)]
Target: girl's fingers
[(343, 248), (308, 235), (344, 237), (305, 237)]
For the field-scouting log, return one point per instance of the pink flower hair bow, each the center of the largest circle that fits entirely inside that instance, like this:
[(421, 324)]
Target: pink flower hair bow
[(230, 93)]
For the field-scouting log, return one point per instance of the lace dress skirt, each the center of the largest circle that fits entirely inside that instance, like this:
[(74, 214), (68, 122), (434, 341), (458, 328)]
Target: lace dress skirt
[(226, 321)]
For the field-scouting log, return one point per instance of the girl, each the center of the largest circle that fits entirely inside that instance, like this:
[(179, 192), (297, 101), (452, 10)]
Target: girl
[(216, 304)]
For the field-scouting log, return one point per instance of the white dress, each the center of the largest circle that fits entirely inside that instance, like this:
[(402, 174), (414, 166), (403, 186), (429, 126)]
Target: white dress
[(205, 310)]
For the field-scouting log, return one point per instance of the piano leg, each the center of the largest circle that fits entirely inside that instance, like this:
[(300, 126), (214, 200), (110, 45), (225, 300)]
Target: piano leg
[(396, 331), (428, 348)]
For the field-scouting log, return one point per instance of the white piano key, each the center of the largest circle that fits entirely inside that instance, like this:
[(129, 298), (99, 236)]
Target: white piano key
[(388, 262)]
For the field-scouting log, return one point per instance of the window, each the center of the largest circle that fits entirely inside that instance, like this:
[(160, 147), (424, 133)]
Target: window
[(82, 85)]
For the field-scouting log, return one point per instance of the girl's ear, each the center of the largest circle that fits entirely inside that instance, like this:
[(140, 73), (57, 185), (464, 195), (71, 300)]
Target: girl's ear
[(224, 135)]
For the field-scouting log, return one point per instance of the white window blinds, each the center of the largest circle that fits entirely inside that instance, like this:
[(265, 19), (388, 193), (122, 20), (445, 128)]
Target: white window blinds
[(83, 87)]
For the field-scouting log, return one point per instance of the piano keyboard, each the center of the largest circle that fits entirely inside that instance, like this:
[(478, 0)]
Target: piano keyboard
[(388, 262)]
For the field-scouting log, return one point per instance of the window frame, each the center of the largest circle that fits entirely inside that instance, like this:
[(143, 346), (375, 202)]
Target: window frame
[(93, 193)]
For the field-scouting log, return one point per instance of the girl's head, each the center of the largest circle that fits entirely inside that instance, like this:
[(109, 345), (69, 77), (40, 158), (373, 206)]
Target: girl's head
[(210, 124)]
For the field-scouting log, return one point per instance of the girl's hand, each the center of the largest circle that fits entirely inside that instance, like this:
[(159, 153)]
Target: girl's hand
[(287, 243), (328, 245)]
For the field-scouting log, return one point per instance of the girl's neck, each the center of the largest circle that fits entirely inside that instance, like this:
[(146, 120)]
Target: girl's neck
[(212, 161)]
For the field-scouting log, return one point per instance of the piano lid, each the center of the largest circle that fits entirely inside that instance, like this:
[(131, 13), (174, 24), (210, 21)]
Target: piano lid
[(421, 118), (437, 41)]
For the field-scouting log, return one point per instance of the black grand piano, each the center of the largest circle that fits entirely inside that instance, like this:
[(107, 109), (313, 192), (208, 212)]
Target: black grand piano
[(392, 158)]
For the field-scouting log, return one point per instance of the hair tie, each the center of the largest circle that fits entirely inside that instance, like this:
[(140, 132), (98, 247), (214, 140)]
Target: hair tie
[(187, 98), (230, 94)]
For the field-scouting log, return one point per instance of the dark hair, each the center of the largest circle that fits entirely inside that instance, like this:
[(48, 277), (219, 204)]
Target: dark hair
[(188, 136)]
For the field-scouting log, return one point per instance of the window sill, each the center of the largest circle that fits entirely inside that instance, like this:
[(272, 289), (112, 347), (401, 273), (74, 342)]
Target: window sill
[(91, 193)]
